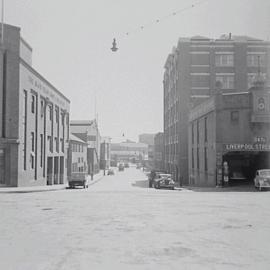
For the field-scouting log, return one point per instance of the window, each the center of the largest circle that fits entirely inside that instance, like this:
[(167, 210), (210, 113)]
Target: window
[(49, 138), (198, 158), (41, 150), (235, 116), (205, 159), (32, 141), (24, 129), (200, 80), (205, 129), (251, 78), (192, 158), (56, 114), (227, 81), (224, 60), (50, 112), (32, 160), (33, 104), (192, 133), (255, 60), (42, 108), (198, 132)]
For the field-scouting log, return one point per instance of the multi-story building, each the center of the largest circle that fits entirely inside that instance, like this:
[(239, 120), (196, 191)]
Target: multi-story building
[(192, 72), (88, 131), (77, 158), (129, 151), (159, 152), (105, 153), (231, 128), (34, 119)]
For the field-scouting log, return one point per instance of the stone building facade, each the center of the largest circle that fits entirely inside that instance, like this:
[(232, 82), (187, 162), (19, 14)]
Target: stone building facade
[(192, 71), (34, 119), (231, 128)]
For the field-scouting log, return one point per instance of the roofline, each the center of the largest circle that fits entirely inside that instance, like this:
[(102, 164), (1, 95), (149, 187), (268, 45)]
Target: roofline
[(42, 78)]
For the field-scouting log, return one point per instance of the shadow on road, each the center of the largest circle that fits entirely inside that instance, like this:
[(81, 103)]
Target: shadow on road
[(243, 188), (141, 183)]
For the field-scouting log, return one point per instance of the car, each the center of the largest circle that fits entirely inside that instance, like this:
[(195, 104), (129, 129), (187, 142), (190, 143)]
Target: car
[(78, 179), (126, 165), (164, 181), (110, 172), (138, 166), (121, 167), (262, 179)]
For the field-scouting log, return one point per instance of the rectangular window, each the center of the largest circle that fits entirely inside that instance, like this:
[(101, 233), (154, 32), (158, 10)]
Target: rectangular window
[(33, 104), (205, 159), (24, 129), (41, 108), (255, 60), (200, 81), (32, 158), (49, 139), (192, 158), (50, 112), (198, 158), (198, 132), (41, 150), (33, 142), (224, 60), (56, 114), (227, 81), (192, 133), (205, 129)]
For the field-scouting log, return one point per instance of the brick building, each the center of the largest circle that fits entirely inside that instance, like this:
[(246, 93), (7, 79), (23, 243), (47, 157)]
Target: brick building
[(34, 119), (88, 131), (192, 71), (232, 128)]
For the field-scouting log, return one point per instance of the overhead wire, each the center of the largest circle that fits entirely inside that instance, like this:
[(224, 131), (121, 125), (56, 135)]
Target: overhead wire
[(161, 19)]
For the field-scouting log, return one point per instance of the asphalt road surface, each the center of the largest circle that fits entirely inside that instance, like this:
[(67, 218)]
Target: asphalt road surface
[(119, 223)]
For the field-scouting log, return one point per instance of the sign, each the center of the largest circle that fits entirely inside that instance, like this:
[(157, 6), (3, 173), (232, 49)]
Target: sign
[(246, 147), (259, 140)]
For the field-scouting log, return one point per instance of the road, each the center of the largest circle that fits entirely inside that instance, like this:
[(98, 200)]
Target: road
[(119, 223)]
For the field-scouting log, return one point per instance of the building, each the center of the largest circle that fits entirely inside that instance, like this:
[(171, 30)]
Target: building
[(77, 158), (191, 73), (232, 130), (105, 153), (159, 152), (129, 151), (34, 119), (88, 131), (148, 139)]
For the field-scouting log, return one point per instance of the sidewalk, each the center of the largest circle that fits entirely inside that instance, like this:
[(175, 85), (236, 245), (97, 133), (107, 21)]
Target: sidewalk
[(97, 178)]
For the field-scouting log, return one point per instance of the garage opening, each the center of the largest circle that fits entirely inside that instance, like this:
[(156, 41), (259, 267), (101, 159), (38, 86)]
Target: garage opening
[(243, 166)]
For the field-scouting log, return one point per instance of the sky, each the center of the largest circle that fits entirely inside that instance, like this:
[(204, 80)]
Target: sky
[(71, 43)]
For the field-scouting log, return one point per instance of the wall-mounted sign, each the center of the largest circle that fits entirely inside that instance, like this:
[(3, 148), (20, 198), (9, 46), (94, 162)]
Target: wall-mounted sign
[(259, 140), (246, 147)]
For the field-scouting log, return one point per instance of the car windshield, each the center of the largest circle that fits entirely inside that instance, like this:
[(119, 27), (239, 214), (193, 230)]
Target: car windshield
[(264, 173)]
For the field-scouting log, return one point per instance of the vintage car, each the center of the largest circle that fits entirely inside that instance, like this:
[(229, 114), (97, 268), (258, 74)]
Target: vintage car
[(110, 172), (164, 181), (262, 179), (78, 179)]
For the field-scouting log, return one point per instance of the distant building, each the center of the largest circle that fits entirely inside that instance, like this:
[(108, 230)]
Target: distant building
[(77, 158), (34, 119), (129, 151), (88, 131), (148, 139), (105, 153), (193, 71), (231, 129), (159, 151)]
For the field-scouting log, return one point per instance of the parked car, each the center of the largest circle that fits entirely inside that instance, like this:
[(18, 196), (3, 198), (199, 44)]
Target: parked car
[(154, 176), (121, 167), (78, 179), (110, 172), (126, 165), (165, 181), (262, 179)]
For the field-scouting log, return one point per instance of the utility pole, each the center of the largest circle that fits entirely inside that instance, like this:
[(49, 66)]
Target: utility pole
[(2, 23)]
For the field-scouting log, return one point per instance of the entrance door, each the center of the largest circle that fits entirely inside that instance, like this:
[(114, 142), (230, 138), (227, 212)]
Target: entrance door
[(49, 171), (2, 167), (61, 170)]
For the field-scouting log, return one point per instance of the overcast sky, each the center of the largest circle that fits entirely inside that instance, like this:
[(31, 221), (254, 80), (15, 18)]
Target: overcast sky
[(71, 43)]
